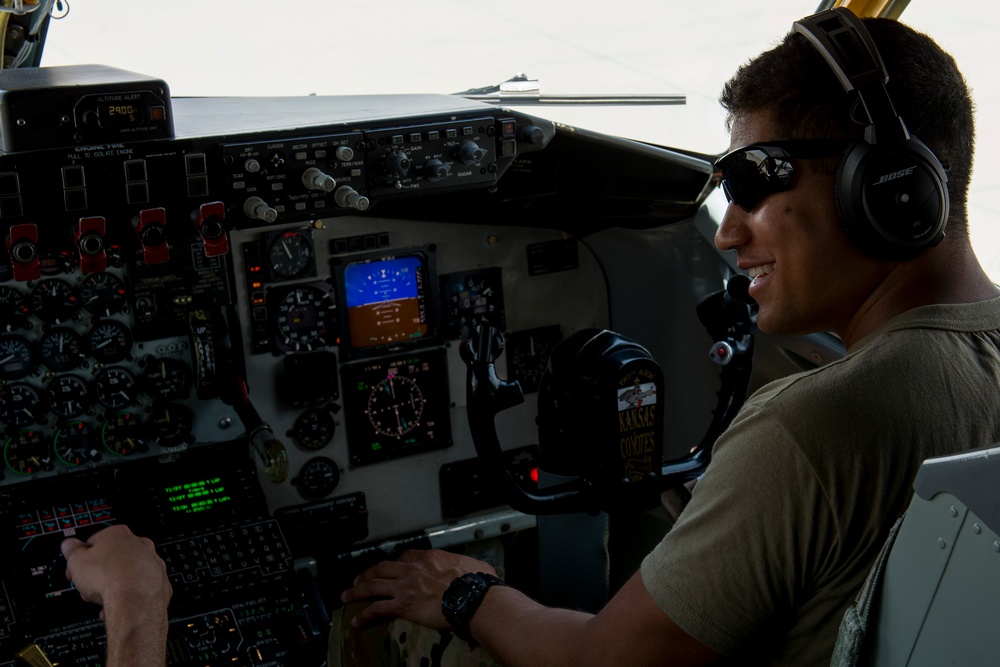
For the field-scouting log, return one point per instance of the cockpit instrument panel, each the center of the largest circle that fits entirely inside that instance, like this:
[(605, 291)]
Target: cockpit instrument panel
[(305, 269)]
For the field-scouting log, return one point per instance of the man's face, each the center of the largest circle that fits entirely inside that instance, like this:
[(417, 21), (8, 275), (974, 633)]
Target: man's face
[(807, 276)]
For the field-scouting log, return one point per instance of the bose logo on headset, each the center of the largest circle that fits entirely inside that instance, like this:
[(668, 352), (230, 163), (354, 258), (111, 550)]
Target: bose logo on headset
[(894, 175)]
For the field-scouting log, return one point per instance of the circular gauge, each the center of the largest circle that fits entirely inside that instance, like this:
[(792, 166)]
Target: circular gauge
[(103, 294), (473, 298), (289, 254), (304, 319), (313, 429), (318, 478), (395, 406), (27, 453), (20, 404), (69, 396), (76, 443), (115, 387), (166, 379), (169, 424), (54, 301), (123, 434), (17, 357), (13, 310), (61, 349), (529, 355), (110, 341)]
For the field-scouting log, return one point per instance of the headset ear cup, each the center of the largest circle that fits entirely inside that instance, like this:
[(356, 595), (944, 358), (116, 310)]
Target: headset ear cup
[(893, 200), (854, 225)]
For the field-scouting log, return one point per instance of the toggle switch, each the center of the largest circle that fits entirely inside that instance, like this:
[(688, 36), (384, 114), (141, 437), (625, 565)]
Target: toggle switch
[(89, 240), (22, 244), (151, 228), (209, 221)]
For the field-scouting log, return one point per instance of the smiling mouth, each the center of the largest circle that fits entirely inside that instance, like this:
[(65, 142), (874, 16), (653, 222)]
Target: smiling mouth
[(760, 271)]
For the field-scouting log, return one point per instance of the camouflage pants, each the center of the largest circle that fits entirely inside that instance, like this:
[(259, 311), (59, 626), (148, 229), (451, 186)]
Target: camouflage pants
[(397, 644)]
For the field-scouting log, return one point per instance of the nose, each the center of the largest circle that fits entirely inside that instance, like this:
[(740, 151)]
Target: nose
[(733, 231)]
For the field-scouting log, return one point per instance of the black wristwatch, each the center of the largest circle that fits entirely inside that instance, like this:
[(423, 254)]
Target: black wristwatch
[(463, 597)]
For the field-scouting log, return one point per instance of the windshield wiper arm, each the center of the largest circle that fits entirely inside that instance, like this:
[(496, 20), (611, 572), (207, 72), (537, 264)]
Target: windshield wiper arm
[(521, 90)]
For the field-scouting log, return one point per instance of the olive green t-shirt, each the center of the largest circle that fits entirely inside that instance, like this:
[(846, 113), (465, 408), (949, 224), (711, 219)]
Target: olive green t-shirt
[(806, 482)]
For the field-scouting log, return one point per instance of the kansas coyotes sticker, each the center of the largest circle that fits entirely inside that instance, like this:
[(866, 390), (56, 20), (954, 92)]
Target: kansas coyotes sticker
[(636, 422)]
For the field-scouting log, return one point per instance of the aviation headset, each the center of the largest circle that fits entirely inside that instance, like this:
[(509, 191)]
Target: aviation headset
[(891, 189)]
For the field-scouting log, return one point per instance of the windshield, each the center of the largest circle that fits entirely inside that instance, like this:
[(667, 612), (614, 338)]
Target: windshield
[(669, 47)]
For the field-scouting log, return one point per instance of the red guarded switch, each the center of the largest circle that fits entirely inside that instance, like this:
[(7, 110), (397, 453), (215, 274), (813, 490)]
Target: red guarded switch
[(89, 239), (22, 244), (208, 221), (151, 227)]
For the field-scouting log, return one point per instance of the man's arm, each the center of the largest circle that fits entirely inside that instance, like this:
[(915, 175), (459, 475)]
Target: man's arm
[(630, 630), (122, 573)]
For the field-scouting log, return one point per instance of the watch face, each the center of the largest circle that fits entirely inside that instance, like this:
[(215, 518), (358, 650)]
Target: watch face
[(457, 595), (459, 601), (463, 597)]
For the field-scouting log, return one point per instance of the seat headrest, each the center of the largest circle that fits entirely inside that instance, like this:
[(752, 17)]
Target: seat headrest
[(973, 477)]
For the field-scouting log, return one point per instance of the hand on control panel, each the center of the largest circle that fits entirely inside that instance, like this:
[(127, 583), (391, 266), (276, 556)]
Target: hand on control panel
[(121, 572), (411, 587)]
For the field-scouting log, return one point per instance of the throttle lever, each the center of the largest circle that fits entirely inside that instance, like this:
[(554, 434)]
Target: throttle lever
[(480, 352)]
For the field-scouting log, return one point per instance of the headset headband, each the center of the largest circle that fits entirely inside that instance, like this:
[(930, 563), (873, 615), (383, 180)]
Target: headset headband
[(843, 41)]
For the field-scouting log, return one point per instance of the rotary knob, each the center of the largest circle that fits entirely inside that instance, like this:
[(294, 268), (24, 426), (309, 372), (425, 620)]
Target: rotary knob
[(257, 209), (435, 170), (348, 197), (314, 179), (399, 163), (470, 152)]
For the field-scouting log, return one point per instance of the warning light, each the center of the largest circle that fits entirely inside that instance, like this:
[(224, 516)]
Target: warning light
[(534, 475)]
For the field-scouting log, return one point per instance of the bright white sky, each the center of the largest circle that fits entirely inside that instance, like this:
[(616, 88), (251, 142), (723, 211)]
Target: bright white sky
[(327, 47)]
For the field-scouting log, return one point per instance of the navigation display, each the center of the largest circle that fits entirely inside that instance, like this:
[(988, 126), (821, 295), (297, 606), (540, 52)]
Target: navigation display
[(405, 404)]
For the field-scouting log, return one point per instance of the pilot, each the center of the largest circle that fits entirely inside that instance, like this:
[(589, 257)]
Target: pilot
[(122, 573), (803, 487)]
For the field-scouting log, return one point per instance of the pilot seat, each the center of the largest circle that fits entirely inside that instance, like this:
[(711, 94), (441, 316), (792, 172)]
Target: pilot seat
[(933, 598)]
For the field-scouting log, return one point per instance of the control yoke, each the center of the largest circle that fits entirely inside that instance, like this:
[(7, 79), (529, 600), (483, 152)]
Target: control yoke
[(600, 411)]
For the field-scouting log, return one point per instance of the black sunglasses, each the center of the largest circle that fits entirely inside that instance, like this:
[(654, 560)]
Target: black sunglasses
[(753, 172)]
